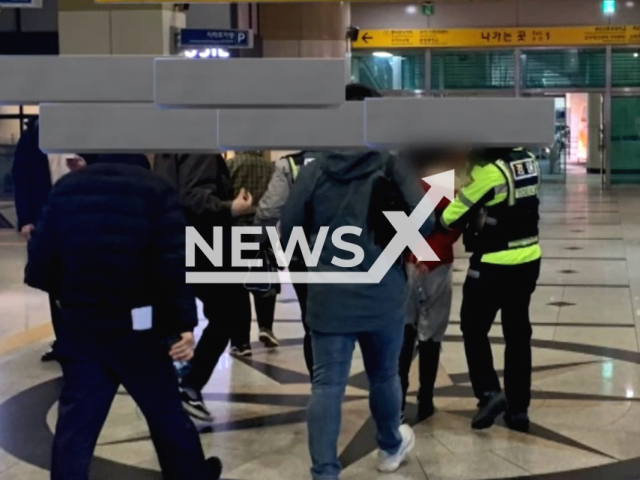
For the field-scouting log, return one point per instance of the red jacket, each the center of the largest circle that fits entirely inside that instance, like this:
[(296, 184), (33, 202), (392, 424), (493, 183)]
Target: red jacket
[(439, 240)]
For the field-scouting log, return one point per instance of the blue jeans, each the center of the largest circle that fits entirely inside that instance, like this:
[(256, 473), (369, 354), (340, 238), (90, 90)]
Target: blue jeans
[(332, 355)]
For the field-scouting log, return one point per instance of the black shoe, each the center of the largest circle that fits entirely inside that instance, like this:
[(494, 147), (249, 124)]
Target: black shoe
[(517, 421), (494, 405), (194, 405), (215, 467), (243, 351), (50, 355), (426, 410), (268, 339)]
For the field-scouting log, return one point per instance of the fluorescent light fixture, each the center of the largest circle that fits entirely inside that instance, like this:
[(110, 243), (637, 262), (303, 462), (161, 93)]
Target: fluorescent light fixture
[(608, 7), (411, 9), (382, 54)]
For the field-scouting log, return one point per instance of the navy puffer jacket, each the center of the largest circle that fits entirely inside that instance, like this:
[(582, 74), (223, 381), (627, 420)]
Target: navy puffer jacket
[(112, 239)]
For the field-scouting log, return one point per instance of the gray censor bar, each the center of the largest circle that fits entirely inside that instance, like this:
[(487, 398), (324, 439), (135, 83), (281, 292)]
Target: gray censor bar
[(126, 128), (487, 122), (249, 82), (37, 79), (292, 128)]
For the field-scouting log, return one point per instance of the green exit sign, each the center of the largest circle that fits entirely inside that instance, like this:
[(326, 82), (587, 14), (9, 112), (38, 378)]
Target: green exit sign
[(608, 7), (428, 9)]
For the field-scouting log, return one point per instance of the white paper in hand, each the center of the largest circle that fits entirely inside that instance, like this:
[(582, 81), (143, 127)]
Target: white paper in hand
[(142, 318)]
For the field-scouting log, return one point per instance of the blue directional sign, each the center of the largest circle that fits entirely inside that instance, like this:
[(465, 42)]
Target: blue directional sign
[(194, 37), (21, 3)]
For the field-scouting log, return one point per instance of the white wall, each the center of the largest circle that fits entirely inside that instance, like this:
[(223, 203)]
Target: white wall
[(492, 13)]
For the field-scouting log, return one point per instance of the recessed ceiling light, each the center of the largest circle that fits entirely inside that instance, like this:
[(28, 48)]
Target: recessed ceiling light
[(630, 4), (411, 9)]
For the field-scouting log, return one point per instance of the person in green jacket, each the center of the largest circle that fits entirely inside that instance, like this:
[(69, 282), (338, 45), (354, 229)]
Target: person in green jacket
[(499, 207)]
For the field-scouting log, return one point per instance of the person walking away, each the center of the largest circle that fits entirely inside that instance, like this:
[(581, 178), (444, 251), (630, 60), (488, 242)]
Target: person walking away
[(34, 174), (429, 289), (206, 193), (110, 246), (503, 271), (268, 214), (336, 190), (252, 171)]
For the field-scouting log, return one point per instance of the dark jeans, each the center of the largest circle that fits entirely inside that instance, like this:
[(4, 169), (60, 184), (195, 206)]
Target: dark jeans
[(301, 293), (265, 311), (406, 359), (94, 366), (509, 289), (221, 307), (332, 353)]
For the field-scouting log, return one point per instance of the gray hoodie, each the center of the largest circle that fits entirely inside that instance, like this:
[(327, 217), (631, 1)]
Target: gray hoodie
[(334, 191)]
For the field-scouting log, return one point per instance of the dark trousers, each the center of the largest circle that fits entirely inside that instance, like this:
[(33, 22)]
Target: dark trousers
[(487, 289), (406, 359), (301, 293), (265, 311), (93, 367), (55, 315), (221, 307)]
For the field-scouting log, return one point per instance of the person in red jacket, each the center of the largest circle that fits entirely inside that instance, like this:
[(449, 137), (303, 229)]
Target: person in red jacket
[(429, 289)]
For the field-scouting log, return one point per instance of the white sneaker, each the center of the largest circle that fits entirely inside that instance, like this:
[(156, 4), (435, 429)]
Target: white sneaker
[(391, 462)]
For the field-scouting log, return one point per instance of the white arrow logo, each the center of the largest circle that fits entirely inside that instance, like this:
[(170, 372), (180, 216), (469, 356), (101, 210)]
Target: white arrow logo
[(407, 236)]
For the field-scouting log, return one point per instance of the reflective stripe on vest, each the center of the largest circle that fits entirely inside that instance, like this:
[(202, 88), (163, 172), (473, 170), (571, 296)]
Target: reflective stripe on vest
[(295, 169)]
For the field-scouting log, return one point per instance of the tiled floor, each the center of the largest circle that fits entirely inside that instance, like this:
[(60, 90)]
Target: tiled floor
[(586, 406)]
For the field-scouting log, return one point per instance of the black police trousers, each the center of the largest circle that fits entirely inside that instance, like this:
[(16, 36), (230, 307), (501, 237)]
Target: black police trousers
[(487, 289), (94, 365)]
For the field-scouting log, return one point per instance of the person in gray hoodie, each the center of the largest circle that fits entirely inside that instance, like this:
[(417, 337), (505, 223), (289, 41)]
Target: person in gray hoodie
[(342, 189)]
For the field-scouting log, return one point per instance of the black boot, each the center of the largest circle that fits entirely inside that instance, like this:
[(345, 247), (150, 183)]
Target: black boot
[(429, 362)]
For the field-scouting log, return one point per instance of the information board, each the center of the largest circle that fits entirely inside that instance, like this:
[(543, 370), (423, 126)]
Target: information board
[(499, 37)]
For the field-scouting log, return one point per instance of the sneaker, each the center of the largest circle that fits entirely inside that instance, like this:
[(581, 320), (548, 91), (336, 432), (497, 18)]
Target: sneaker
[(215, 468), (517, 421), (50, 354), (194, 405), (243, 351), (388, 462), (494, 405), (268, 339)]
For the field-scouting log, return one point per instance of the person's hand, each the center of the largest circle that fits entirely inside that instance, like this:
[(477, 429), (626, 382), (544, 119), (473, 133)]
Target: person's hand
[(182, 350), (242, 204), (422, 267), (27, 230)]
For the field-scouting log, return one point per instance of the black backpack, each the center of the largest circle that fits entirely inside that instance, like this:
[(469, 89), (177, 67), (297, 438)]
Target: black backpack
[(385, 197)]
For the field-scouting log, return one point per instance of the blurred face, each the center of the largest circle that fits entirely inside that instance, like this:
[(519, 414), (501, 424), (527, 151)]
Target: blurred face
[(458, 159)]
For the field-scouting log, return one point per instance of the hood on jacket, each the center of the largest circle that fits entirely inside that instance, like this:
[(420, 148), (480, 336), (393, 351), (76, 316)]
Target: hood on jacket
[(348, 166), (134, 159)]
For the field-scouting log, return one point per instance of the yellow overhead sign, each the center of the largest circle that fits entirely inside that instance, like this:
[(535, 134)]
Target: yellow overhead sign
[(147, 2), (499, 37)]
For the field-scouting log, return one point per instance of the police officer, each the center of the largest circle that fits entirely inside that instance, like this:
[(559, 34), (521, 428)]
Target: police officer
[(504, 268)]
